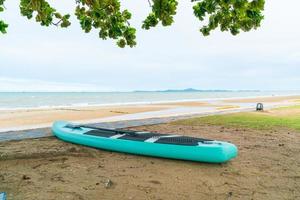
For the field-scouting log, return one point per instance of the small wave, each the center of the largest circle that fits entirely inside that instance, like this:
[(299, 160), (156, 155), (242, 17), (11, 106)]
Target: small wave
[(85, 103)]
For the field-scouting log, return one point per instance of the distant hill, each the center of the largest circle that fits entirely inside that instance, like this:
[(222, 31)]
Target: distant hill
[(197, 90), (193, 90)]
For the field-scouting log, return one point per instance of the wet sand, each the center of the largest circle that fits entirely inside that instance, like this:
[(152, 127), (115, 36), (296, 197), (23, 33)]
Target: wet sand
[(267, 167)]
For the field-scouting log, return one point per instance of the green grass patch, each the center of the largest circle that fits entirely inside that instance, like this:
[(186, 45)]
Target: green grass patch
[(258, 121)]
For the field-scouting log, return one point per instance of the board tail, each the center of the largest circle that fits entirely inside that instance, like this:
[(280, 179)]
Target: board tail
[(2, 196)]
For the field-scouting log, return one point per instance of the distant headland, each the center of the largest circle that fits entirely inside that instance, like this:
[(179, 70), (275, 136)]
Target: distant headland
[(195, 90)]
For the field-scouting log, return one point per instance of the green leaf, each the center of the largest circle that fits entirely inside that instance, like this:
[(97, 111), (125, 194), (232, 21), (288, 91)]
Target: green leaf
[(121, 43), (3, 27), (58, 15)]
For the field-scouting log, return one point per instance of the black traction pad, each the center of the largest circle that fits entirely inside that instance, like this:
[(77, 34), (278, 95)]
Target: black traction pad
[(141, 137), (106, 134), (182, 140)]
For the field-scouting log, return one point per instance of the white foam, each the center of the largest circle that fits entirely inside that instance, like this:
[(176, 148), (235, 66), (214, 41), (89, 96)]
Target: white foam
[(138, 103)]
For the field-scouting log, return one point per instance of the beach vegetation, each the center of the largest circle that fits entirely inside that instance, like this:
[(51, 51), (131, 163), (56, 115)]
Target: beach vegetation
[(112, 22), (252, 120)]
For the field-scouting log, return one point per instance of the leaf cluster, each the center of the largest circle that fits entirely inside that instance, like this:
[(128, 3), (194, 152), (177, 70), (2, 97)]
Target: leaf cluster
[(162, 10), (107, 17), (3, 25), (45, 14), (230, 15)]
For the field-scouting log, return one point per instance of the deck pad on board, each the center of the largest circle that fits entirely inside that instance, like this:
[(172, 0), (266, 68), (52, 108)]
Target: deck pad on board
[(149, 137)]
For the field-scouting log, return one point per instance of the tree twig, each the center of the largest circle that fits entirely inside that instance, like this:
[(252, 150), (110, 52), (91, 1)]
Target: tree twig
[(57, 23)]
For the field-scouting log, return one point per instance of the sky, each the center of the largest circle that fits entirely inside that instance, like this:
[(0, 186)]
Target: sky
[(35, 58)]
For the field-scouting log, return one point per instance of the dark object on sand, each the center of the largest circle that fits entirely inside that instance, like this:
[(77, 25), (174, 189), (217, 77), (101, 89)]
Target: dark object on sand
[(259, 107), (147, 143)]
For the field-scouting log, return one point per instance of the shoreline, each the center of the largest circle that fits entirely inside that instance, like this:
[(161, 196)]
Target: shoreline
[(87, 105), (16, 120)]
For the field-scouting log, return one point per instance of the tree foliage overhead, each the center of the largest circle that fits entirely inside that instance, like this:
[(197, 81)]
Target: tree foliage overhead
[(162, 10), (45, 14), (230, 15), (3, 25), (107, 17)]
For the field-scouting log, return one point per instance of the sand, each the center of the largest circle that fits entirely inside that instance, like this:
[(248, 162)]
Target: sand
[(31, 118), (273, 99), (267, 167), (188, 103), (16, 118)]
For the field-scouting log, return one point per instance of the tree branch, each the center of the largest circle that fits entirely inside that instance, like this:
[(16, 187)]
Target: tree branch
[(57, 23)]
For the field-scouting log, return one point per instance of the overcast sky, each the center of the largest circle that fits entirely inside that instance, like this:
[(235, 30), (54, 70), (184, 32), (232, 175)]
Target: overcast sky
[(38, 58)]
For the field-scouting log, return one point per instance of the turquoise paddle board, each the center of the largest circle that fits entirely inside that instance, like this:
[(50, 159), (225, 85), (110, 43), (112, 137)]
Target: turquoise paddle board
[(146, 143)]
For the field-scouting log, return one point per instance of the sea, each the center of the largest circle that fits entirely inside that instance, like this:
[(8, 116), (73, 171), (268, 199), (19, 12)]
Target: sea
[(38, 100)]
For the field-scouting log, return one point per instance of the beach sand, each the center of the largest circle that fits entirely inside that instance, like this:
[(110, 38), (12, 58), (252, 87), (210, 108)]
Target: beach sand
[(267, 167), (272, 99), (19, 118), (32, 118)]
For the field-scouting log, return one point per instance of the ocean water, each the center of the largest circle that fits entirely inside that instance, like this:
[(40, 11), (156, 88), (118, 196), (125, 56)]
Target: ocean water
[(24, 100)]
